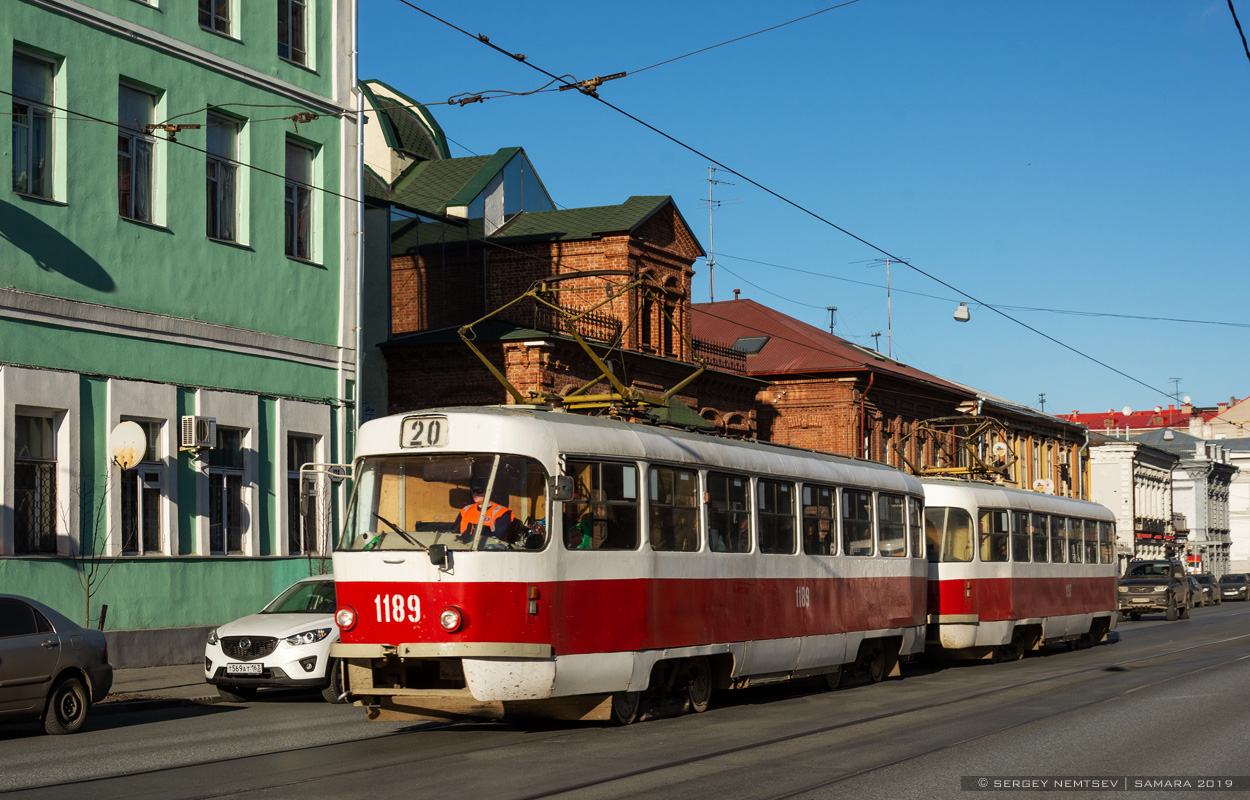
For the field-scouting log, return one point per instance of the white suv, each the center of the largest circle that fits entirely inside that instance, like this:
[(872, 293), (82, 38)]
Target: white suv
[(286, 644)]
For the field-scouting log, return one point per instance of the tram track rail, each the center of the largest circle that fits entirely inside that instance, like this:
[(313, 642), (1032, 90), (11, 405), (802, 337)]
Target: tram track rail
[(745, 747)]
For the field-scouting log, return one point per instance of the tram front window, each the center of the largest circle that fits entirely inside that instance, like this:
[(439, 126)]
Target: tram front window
[(484, 502)]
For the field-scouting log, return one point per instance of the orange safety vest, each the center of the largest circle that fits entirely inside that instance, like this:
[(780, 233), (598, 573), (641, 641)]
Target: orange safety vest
[(469, 515)]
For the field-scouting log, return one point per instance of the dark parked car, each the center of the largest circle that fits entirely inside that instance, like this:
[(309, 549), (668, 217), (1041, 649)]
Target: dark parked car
[(51, 669), (1197, 597), (1235, 586), (1159, 585), (1210, 588)]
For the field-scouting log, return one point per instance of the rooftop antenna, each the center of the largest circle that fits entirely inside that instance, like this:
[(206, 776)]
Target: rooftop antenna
[(833, 310), (1176, 389), (711, 231), (876, 340), (1041, 401), (889, 325)]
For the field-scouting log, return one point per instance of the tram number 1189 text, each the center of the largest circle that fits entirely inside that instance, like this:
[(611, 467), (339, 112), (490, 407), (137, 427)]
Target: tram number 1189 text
[(397, 607), (802, 596)]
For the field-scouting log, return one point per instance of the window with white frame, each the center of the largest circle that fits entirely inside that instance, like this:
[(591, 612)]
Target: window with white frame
[(292, 18), (142, 487), (135, 109), (298, 200), (215, 16), (222, 145), (303, 530), (225, 492), (32, 124), (34, 484)]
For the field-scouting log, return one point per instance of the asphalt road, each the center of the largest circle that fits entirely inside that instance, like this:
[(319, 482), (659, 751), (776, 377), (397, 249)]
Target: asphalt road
[(1162, 701)]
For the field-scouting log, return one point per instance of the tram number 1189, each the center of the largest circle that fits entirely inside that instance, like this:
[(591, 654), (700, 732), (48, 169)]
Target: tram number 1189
[(802, 596), (397, 607)]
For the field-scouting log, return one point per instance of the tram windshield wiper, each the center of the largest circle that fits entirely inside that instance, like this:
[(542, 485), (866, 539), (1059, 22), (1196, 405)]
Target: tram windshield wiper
[(403, 534)]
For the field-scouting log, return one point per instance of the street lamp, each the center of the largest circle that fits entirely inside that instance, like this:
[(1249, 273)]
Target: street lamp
[(961, 313)]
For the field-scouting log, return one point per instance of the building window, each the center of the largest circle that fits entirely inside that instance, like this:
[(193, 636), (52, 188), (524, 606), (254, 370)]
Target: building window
[(32, 125), (225, 493), (298, 200), (215, 16), (291, 14), (34, 485), (303, 532), (223, 139), (34, 497), (134, 153), (141, 497)]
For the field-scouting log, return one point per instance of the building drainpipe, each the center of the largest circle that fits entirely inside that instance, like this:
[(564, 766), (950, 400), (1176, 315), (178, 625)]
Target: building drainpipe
[(360, 217), (863, 395), (1082, 492)]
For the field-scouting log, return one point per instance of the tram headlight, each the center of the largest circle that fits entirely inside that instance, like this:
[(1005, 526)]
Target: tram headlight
[(345, 618), (451, 619)]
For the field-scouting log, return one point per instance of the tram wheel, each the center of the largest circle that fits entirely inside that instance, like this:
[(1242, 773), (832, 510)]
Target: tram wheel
[(833, 679), (625, 707), (871, 661), (698, 684)]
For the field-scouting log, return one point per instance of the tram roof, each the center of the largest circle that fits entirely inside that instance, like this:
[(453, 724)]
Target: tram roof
[(992, 495), (560, 432)]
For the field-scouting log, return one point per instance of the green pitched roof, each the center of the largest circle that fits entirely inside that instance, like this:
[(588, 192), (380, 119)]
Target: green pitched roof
[(406, 124), (431, 185), (575, 224)]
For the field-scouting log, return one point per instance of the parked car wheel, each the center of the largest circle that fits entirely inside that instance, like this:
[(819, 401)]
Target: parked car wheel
[(236, 694), (67, 707), (1171, 612), (333, 693)]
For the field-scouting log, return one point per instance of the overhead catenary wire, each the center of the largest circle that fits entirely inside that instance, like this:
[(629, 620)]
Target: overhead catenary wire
[(797, 206)]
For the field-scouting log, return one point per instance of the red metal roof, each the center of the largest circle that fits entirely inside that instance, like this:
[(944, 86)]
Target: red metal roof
[(1170, 417), (794, 347)]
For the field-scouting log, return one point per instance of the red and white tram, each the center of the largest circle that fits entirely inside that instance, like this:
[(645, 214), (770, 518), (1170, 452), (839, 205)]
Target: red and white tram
[(1011, 569), (512, 560)]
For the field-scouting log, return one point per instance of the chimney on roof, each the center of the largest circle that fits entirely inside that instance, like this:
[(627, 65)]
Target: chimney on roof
[(736, 293)]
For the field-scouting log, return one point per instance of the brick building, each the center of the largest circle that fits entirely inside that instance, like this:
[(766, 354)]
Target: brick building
[(824, 392), (450, 271)]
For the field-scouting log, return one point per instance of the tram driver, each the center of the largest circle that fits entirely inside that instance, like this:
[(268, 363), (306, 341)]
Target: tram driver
[(498, 518)]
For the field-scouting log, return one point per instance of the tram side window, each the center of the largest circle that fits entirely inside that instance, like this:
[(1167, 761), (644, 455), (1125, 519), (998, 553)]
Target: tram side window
[(1076, 541), (892, 524), (915, 517), (1058, 540), (728, 517), (674, 524), (1106, 543), (1020, 536), (776, 516), (949, 534), (819, 513), (1039, 530), (603, 514), (1091, 541), (995, 526), (856, 523)]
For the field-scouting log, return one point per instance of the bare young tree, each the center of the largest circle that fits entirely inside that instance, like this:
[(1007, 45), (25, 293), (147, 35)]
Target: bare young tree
[(89, 551)]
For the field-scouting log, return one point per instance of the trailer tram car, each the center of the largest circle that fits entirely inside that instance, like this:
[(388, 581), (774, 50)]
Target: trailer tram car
[(609, 570), (1010, 570)]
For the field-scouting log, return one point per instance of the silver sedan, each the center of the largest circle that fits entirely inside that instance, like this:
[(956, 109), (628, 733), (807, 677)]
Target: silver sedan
[(51, 668)]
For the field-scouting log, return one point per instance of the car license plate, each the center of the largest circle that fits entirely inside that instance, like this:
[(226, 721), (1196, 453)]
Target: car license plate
[(244, 669), (1135, 600)]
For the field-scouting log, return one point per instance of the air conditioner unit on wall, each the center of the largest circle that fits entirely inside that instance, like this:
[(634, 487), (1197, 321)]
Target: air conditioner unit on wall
[(1063, 457), (199, 433)]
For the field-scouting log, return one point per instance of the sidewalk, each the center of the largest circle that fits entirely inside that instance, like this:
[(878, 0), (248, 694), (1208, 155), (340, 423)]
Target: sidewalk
[(149, 686)]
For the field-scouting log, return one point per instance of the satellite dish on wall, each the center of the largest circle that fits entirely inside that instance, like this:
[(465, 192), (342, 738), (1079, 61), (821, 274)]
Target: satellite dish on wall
[(127, 445), (1186, 400), (1000, 449), (1126, 411), (1044, 485)]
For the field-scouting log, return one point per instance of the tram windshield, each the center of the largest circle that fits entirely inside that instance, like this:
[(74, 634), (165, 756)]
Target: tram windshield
[(462, 502)]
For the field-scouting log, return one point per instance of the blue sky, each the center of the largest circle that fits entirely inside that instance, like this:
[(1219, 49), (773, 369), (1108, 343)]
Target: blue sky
[(1080, 156)]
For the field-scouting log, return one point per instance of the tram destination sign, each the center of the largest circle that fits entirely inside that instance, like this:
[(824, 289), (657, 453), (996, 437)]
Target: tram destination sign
[(418, 432)]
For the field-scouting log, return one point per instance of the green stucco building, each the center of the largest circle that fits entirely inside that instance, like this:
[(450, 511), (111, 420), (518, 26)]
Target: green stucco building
[(178, 244)]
